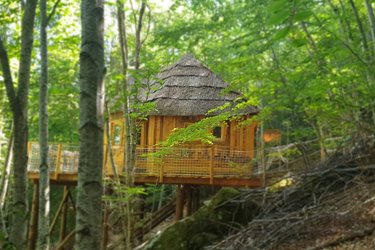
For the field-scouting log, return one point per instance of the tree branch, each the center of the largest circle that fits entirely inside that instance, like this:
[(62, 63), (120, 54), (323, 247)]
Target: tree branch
[(8, 81), (148, 25), (360, 26), (345, 238), (27, 39), (133, 11), (138, 31), (371, 19), (53, 11), (354, 53)]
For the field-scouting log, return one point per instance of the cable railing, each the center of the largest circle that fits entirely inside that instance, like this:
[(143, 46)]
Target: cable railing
[(198, 162), (191, 161)]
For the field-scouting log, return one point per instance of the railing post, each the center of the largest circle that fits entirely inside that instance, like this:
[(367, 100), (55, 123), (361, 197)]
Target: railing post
[(105, 158), (212, 162), (28, 155), (28, 148), (58, 161), (162, 169)]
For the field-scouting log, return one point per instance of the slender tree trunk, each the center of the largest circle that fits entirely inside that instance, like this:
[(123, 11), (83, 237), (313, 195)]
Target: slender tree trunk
[(18, 102), (130, 124), (44, 188), (360, 26), (89, 188), (138, 43), (126, 114), (109, 145)]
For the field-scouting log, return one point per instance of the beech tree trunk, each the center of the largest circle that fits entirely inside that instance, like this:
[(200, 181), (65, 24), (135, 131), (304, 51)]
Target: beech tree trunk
[(89, 188), (18, 100), (44, 187)]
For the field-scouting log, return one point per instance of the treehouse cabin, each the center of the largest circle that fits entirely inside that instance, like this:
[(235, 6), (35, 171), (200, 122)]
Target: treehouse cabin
[(183, 94)]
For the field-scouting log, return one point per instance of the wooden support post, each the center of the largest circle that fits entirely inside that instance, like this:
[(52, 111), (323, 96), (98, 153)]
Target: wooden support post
[(212, 162), (33, 229), (189, 199), (195, 198), (180, 200), (64, 213), (70, 197), (58, 161), (64, 200), (70, 236), (28, 148), (105, 159)]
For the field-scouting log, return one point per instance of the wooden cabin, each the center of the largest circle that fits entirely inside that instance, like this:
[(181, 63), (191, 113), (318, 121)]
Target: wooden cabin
[(183, 94)]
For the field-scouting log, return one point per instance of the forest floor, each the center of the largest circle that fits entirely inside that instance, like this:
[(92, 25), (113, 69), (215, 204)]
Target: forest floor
[(330, 207)]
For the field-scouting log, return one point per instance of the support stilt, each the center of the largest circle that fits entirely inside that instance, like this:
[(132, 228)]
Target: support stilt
[(69, 237), (180, 200), (62, 204), (189, 199), (33, 229), (195, 203), (64, 213)]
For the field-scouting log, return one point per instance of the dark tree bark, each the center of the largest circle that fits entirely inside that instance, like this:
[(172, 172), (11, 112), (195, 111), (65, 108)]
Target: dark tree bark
[(89, 189), (18, 100)]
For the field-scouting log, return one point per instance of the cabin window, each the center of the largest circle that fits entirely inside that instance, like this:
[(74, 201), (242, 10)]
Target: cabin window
[(138, 136), (216, 132), (219, 132), (116, 135)]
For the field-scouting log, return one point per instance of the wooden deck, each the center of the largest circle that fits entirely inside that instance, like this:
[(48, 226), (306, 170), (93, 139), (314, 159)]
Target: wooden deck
[(199, 166)]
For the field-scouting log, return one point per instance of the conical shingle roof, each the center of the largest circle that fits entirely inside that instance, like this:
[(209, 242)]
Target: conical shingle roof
[(188, 88)]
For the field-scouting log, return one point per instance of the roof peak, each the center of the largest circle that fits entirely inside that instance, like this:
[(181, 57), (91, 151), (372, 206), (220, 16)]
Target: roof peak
[(189, 60)]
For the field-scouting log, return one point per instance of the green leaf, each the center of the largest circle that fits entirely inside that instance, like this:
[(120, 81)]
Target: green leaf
[(302, 15), (276, 5), (281, 33), (298, 42), (279, 18)]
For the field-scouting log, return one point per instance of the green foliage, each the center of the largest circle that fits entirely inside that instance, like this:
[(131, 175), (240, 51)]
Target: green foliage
[(121, 193), (304, 61), (5, 244)]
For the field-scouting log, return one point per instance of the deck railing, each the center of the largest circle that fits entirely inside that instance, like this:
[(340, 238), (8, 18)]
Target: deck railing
[(198, 162)]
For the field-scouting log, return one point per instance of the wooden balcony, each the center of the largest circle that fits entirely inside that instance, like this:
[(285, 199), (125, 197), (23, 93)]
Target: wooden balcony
[(195, 165)]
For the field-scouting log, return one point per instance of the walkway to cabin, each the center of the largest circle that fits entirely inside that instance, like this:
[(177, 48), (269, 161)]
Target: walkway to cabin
[(209, 165)]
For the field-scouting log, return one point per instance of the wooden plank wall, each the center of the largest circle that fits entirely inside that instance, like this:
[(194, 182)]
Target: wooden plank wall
[(158, 128)]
